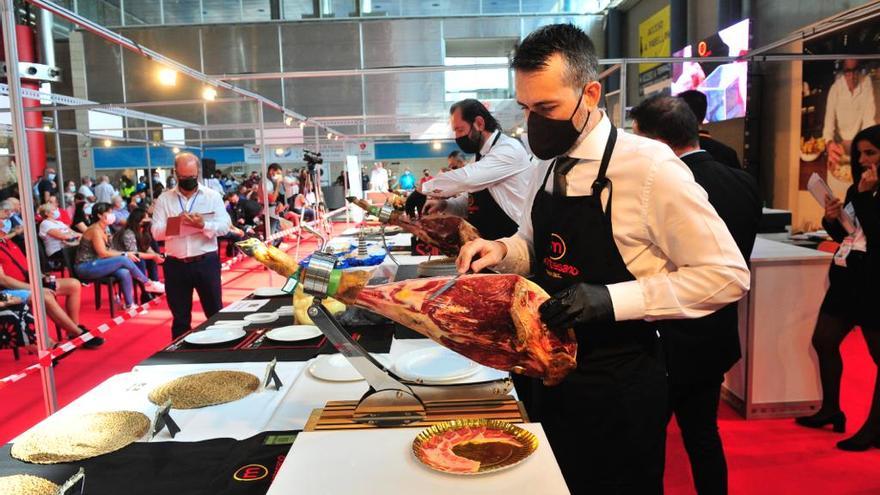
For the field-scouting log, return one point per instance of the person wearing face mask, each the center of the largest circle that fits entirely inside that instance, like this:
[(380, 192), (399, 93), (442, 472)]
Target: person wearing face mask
[(12, 230), (192, 261), (120, 211), (660, 252), (47, 186), (496, 183), (54, 233), (95, 259), (136, 237), (852, 293)]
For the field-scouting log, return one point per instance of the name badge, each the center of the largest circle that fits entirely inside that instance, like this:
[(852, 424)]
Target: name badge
[(843, 251)]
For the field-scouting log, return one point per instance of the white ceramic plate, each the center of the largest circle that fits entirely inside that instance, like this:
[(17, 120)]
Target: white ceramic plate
[(218, 336), (284, 311), (434, 365), (294, 333), (229, 323), (269, 292), (261, 318), (335, 368)]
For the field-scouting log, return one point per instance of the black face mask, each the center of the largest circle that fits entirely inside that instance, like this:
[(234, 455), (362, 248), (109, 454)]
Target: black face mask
[(549, 138), (470, 143), (188, 184)]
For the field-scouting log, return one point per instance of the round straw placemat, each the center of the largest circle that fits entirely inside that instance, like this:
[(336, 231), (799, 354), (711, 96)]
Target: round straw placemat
[(25, 484), (76, 438), (205, 389)]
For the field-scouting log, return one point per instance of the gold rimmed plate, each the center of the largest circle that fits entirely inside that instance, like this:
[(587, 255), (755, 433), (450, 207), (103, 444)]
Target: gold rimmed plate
[(473, 446)]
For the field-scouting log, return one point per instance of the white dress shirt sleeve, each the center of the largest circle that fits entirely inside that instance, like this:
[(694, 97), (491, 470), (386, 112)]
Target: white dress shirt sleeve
[(501, 163), (217, 224), (160, 218), (520, 247), (708, 273)]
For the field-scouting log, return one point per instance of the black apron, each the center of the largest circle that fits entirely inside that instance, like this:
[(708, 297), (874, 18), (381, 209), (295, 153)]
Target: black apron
[(606, 421), (486, 216)]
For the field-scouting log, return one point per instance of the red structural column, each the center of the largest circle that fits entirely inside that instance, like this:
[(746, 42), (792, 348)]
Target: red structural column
[(27, 52)]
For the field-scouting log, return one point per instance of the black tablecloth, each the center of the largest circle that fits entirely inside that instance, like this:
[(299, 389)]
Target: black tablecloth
[(374, 338), (212, 467)]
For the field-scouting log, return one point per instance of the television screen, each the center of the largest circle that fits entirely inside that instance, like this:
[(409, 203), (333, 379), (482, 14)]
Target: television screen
[(723, 84)]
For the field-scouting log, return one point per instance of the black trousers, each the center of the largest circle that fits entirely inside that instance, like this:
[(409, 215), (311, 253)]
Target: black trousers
[(695, 406), (181, 279)]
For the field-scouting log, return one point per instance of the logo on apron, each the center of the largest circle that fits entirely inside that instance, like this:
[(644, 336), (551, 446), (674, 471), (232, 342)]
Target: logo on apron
[(556, 252), (557, 247)]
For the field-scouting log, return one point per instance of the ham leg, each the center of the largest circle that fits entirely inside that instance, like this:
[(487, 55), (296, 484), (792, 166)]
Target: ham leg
[(491, 319), (448, 233)]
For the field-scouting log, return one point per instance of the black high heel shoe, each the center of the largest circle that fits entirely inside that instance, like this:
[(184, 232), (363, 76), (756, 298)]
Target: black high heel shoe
[(856, 444), (837, 420)]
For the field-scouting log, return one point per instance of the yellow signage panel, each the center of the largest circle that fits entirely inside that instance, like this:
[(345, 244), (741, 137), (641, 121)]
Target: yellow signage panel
[(654, 37)]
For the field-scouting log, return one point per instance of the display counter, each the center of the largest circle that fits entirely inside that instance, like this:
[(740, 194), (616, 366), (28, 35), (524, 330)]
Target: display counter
[(778, 375)]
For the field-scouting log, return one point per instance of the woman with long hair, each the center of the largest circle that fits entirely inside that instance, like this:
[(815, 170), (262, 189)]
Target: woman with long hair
[(135, 237), (853, 291), (95, 259)]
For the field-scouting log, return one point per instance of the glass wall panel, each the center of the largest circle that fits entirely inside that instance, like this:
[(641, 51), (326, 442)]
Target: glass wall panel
[(297, 9)]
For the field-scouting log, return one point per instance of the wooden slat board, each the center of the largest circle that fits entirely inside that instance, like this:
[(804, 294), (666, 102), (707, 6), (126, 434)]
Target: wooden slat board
[(337, 415)]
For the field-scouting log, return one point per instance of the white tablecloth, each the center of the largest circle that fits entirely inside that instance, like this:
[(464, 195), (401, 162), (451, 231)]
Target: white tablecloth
[(240, 419), (381, 461)]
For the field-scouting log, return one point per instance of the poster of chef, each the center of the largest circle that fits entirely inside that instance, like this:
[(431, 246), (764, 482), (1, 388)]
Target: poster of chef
[(839, 98)]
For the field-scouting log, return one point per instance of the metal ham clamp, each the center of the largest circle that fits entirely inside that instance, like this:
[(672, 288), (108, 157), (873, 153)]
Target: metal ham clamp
[(390, 401)]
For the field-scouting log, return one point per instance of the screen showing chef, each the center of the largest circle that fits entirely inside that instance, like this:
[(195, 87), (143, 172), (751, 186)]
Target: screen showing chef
[(723, 84)]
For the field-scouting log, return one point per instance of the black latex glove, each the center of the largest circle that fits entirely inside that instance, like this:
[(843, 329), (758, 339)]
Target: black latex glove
[(415, 202), (577, 305)]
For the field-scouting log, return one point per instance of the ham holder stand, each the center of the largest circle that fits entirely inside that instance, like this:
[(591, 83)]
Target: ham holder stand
[(390, 400)]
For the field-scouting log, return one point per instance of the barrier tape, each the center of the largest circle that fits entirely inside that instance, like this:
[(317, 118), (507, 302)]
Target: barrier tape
[(45, 360)]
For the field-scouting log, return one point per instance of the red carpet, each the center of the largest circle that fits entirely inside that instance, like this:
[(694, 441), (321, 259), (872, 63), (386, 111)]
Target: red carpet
[(772, 457)]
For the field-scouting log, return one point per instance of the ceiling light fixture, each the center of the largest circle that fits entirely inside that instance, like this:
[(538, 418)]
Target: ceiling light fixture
[(436, 145), (167, 77), (175, 150), (209, 93), (108, 143), (279, 151)]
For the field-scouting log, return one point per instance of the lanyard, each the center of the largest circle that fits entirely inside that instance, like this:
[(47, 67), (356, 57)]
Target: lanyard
[(191, 205)]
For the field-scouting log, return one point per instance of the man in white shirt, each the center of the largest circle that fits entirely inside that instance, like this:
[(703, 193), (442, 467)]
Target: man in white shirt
[(660, 252), (496, 183), (848, 109), (192, 261), (86, 190), (104, 192), (379, 178)]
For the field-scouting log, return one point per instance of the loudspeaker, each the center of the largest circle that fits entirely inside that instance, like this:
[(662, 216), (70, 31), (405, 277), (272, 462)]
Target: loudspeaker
[(209, 166)]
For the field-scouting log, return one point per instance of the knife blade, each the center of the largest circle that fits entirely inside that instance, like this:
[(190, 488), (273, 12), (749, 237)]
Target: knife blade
[(445, 288)]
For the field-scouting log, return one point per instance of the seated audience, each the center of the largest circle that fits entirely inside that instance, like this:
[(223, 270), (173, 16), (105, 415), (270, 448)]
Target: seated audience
[(136, 237), (121, 212), (54, 233), (81, 213), (14, 280), (95, 259)]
